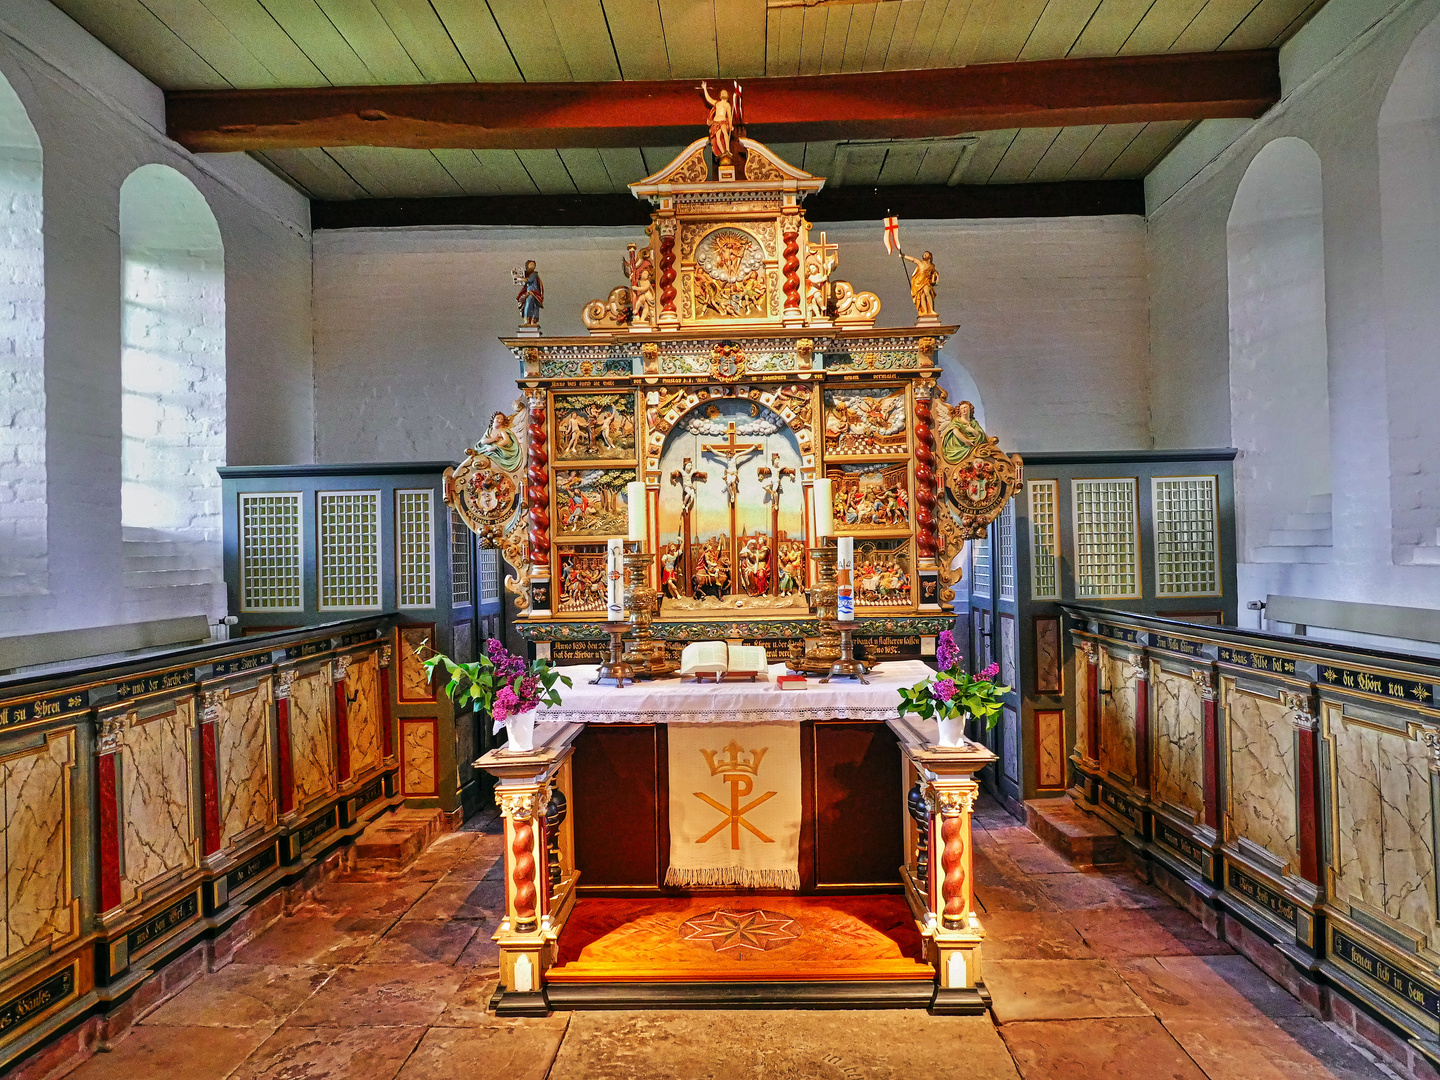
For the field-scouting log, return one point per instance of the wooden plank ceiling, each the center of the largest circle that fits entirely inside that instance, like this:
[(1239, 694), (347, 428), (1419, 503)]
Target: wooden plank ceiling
[(258, 44)]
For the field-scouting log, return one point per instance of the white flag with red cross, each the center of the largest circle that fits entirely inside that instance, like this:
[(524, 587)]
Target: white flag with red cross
[(892, 235)]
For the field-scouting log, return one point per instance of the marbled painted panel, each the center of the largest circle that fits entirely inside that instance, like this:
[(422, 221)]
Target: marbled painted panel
[(363, 716), (1009, 647), (415, 641), (242, 749), (158, 813), (417, 757), (1047, 656), (1384, 833), (1082, 706), (37, 827), (1117, 715), (1262, 773), (1049, 748), (1010, 724), (312, 737), (1177, 728)]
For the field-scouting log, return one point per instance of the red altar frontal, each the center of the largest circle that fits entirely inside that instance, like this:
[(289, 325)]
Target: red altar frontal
[(679, 474)]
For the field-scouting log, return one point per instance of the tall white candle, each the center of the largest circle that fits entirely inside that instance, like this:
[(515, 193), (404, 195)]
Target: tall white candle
[(615, 579), (639, 522), (845, 579), (824, 497)]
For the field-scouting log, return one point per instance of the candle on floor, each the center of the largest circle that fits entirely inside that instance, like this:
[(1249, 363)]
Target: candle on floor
[(639, 523), (824, 498), (844, 579)]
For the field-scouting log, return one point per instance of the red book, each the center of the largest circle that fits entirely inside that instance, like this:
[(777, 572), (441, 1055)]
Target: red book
[(790, 682)]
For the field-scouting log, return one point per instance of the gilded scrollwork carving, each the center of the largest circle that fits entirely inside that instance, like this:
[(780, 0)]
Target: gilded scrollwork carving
[(951, 801), (210, 702), (1431, 738), (284, 682), (485, 489), (1203, 683), (1298, 705), (521, 805)]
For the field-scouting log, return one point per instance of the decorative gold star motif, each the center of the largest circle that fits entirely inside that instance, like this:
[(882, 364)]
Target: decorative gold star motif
[(758, 931)]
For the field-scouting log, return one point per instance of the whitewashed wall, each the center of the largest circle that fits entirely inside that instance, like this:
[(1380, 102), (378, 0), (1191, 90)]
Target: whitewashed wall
[(97, 121), (1053, 318), (1338, 72)]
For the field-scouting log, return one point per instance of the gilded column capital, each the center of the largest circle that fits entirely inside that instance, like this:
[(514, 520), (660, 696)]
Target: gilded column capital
[(522, 805), (210, 702), (1201, 678), (341, 668), (1298, 705), (284, 682), (383, 656), (952, 801), (1431, 738), (1088, 649), (107, 740)]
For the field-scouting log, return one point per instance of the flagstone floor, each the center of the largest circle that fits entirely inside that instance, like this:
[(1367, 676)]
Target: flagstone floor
[(1093, 973)]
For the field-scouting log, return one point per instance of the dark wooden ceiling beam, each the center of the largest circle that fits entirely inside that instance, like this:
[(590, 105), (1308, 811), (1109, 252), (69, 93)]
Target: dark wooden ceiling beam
[(1079, 198), (868, 105)]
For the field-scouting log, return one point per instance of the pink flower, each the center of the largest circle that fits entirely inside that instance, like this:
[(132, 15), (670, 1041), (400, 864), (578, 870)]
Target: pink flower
[(989, 673), (506, 704), (947, 653), (943, 689)]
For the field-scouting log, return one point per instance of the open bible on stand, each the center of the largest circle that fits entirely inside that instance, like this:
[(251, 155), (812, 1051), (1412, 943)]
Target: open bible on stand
[(718, 660)]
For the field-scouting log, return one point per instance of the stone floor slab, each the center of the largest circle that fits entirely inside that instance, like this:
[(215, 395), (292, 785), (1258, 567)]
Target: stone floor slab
[(483, 952), (1100, 889), (1150, 931), (1036, 858), (483, 899), (1032, 935), (1260, 1049), (512, 1049), (368, 899), (313, 941), (329, 1053), (174, 1053), (1197, 987), (422, 942), (381, 995), (1116, 1048), (242, 995), (1263, 992), (742, 1045), (469, 1006), (1059, 990)]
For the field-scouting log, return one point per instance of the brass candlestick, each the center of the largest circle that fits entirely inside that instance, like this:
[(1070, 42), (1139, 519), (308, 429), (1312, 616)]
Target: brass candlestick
[(646, 655), (819, 659), (846, 665), (615, 668)]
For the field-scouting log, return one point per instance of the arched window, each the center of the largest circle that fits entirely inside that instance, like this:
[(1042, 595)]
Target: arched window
[(1409, 139), (22, 353), (172, 375), (1279, 357)]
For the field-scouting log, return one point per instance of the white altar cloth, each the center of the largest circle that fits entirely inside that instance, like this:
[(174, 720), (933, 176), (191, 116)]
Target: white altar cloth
[(671, 701)]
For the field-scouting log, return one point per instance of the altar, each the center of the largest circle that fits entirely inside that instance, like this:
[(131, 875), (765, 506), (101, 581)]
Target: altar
[(734, 452)]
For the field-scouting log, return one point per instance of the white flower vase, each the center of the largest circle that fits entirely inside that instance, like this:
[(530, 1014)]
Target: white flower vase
[(520, 731), (952, 730)]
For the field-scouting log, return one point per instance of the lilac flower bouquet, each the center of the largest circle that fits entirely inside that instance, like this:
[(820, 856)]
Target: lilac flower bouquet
[(952, 696), (503, 685)]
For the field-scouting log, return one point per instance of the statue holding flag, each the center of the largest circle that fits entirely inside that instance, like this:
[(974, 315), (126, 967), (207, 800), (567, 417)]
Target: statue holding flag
[(924, 278)]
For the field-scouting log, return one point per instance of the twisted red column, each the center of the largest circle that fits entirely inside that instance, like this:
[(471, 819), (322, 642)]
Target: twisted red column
[(952, 835), (667, 272), (791, 268), (926, 539), (537, 490), (522, 874)]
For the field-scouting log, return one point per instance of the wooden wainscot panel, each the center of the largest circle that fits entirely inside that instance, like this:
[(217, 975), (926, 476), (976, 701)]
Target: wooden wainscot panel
[(1260, 773), (312, 737), (1268, 900), (419, 760), (1083, 750), (160, 926), (1377, 969), (1049, 679), (243, 752), (858, 805), (363, 697), (1049, 748), (1383, 857), (41, 911), (1177, 730), (1181, 845), (413, 644), (156, 763), (21, 1009), (619, 812), (317, 828), (1118, 677)]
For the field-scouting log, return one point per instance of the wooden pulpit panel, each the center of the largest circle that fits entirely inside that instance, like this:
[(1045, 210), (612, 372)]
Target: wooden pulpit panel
[(620, 811), (858, 827)]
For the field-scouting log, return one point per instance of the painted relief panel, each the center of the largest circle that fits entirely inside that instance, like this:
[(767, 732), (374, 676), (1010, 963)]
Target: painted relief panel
[(1050, 748), (581, 586), (1385, 847), (1117, 715), (592, 502), (242, 747), (729, 278), (871, 498), (869, 421), (418, 764), (312, 737), (594, 427), (1178, 764), (1262, 772), (36, 832), (363, 716), (1082, 706), (1048, 679), (414, 642), (883, 577), (158, 809)]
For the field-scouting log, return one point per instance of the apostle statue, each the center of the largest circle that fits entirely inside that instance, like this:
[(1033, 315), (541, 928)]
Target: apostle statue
[(531, 297), (922, 284), (722, 124)]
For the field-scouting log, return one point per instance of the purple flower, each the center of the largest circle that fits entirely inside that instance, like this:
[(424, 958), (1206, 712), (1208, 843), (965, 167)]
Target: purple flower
[(506, 704), (506, 664), (947, 653), (989, 673), (943, 690)]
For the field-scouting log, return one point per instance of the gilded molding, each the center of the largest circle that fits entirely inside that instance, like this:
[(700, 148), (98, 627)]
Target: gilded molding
[(522, 805), (952, 801)]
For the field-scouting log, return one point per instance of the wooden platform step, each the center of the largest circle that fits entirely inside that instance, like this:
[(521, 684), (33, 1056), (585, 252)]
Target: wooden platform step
[(393, 841), (1075, 833)]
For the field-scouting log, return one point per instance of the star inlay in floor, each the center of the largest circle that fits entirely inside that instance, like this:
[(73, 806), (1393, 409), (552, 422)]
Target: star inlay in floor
[(758, 931)]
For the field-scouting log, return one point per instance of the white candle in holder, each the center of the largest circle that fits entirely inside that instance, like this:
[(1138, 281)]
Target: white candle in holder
[(639, 523), (824, 499), (615, 579), (845, 579)]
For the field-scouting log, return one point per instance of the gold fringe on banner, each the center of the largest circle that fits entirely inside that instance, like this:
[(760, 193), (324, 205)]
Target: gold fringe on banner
[(734, 876)]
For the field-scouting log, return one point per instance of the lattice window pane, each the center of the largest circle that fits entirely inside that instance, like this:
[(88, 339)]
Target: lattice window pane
[(1107, 543), (414, 548), (1187, 547), (460, 564), (489, 575), (349, 554), (270, 567), (1044, 540), (1005, 550), (980, 567)]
